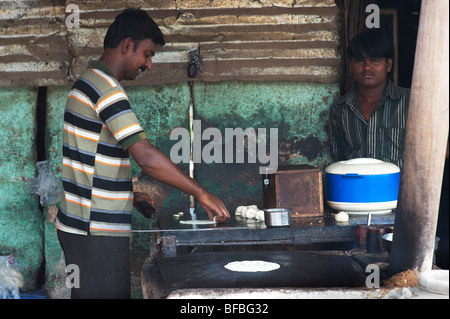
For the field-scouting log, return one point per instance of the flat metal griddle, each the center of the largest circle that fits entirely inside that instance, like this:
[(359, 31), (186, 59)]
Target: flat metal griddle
[(297, 269)]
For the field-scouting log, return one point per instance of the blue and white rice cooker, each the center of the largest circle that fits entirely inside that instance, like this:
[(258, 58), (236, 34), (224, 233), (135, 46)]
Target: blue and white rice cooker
[(362, 185)]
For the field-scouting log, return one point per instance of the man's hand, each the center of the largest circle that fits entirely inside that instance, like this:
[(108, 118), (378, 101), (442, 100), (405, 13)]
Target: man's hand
[(214, 207)]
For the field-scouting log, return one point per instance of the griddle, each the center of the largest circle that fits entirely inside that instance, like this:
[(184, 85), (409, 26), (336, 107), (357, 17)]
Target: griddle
[(318, 269)]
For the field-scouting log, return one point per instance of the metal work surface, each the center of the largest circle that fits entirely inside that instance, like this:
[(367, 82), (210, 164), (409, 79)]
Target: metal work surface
[(167, 222), (206, 270), (302, 231)]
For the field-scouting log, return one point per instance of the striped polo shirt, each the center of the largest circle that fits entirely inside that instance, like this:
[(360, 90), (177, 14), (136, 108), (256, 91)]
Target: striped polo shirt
[(99, 126), (381, 137)]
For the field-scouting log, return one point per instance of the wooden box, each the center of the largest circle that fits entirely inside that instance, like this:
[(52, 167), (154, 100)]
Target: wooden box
[(298, 187)]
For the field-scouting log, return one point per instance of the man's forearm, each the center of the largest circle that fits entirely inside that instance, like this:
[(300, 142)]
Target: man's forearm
[(157, 165)]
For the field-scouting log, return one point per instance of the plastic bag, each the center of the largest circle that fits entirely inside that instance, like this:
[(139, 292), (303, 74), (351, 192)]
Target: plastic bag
[(11, 280), (47, 185)]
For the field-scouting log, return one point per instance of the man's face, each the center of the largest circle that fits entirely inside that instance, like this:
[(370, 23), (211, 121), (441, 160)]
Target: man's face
[(370, 72), (138, 57)]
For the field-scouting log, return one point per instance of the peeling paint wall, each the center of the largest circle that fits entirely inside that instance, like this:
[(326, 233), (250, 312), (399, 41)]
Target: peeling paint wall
[(284, 40), (21, 222), (33, 43)]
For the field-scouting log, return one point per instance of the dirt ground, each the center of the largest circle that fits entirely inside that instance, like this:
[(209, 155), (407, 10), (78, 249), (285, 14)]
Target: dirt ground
[(405, 278)]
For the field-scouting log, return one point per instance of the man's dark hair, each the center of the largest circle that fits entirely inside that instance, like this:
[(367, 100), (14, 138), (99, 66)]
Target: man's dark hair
[(134, 24), (370, 44)]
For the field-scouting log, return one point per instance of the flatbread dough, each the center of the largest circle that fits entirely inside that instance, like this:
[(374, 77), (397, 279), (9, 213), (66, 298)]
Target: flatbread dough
[(252, 266), (198, 222), (341, 217)]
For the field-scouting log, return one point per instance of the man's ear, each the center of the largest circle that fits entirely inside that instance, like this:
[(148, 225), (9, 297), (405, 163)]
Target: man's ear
[(389, 65), (126, 45)]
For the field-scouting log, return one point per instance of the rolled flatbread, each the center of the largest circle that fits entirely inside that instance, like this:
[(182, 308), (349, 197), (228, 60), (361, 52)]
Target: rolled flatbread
[(198, 222), (251, 266)]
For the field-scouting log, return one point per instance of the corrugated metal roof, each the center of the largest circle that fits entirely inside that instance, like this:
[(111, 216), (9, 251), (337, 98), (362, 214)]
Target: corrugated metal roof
[(295, 40)]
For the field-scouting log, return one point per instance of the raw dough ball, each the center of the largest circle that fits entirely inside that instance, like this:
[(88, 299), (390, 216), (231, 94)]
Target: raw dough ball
[(260, 215), (244, 211), (248, 211), (251, 213), (341, 217)]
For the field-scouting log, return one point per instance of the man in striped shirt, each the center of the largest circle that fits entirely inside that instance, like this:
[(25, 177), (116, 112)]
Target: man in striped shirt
[(370, 120), (100, 133)]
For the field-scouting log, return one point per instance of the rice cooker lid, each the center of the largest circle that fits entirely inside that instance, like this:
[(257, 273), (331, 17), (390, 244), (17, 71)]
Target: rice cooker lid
[(362, 166)]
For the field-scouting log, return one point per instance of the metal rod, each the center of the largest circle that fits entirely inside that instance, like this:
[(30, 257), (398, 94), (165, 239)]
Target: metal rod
[(231, 243), (191, 161)]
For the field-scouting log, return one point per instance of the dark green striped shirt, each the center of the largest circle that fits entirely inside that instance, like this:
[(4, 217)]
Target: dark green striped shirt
[(382, 137)]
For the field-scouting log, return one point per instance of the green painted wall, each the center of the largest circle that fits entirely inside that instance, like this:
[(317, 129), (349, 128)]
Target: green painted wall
[(55, 276), (21, 221), (298, 110)]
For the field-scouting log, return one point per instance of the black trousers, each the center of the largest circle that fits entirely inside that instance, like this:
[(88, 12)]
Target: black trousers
[(103, 263)]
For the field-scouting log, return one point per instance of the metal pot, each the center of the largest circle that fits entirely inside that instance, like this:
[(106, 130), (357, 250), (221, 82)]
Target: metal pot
[(277, 217)]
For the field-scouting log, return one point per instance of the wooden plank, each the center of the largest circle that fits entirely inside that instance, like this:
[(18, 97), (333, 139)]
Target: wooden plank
[(425, 144)]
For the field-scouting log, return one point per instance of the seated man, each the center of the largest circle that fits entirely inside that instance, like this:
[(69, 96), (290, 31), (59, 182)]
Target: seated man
[(370, 120)]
